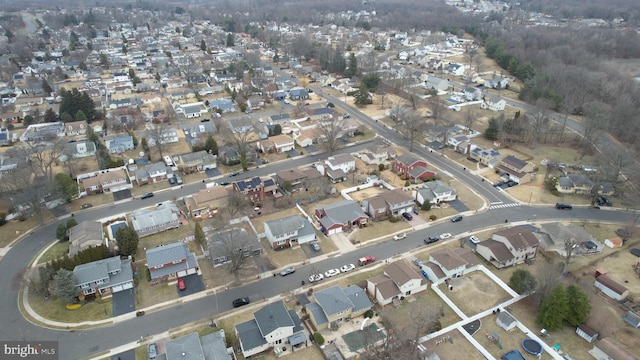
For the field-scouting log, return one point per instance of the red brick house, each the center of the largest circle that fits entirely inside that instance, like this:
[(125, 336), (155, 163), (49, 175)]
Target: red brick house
[(414, 167)]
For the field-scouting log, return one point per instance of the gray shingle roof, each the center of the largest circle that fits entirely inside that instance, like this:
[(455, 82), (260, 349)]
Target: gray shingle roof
[(249, 335), (272, 317), (167, 254), (317, 312), (147, 218), (341, 212), (333, 300), (358, 298), (112, 270), (187, 347), (285, 225)]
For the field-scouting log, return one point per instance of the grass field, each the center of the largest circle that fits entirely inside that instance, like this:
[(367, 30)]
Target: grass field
[(54, 309), (56, 251)]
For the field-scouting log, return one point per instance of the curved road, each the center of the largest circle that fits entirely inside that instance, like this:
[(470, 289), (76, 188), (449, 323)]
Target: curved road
[(75, 345)]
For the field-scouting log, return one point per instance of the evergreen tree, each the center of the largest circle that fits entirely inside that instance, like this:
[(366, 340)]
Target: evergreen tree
[(492, 130), (81, 116), (64, 184), (61, 232), (65, 286), (46, 87), (579, 306), (71, 222), (230, 40), (50, 116), (211, 145), (28, 120), (127, 240), (522, 281), (554, 309), (203, 45), (352, 68)]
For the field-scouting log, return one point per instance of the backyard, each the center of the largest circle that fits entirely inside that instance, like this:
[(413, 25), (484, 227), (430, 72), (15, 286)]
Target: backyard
[(477, 286)]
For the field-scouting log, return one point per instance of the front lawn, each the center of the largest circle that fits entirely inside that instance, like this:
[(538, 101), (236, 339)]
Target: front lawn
[(54, 309)]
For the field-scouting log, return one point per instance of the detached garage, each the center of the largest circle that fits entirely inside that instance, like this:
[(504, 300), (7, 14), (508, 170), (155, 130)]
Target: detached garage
[(611, 288)]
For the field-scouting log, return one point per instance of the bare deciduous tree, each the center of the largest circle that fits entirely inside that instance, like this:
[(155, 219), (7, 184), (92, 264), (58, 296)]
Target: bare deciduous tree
[(234, 246), (158, 135), (235, 202), (241, 142), (331, 133), (412, 127), (547, 277)]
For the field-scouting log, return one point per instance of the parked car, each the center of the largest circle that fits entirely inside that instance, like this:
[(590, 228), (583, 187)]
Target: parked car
[(366, 260), (178, 179), (331, 272), (511, 183), (445, 236), (474, 239), (224, 183), (415, 211), (86, 206), (562, 206), (316, 277), (407, 216), (400, 236), (146, 196), (456, 218), (235, 173), (315, 246), (604, 201), (181, 284), (287, 271), (172, 180), (205, 120), (431, 240), (153, 351), (241, 302), (347, 268)]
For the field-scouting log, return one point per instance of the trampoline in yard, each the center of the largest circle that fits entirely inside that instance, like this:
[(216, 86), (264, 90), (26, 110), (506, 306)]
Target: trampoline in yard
[(532, 346)]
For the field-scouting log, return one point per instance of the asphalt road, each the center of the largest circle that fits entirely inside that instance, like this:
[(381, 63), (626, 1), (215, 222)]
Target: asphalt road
[(75, 345)]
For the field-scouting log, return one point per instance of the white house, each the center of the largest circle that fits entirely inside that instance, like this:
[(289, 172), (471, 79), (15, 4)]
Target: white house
[(493, 103), (398, 281), (344, 162), (289, 231), (434, 192)]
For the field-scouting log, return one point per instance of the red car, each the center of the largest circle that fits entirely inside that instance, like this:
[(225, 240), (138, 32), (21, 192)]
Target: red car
[(181, 284)]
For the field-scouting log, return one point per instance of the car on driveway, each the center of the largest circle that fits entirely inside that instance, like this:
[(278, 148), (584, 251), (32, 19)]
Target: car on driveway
[(146, 196), (332, 272), (315, 246), (400, 236), (474, 239), (316, 277), (445, 236), (85, 206), (431, 240), (153, 351), (287, 271), (241, 302), (456, 218), (347, 268), (181, 284), (407, 216)]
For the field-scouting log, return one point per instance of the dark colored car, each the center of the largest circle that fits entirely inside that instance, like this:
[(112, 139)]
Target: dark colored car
[(456, 218), (234, 174), (562, 206), (146, 196), (241, 302), (407, 216), (205, 120), (431, 240), (172, 180), (511, 183), (604, 201), (224, 183)]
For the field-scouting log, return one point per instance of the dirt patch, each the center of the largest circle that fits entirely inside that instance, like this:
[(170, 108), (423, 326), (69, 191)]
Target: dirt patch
[(449, 346), (477, 286)]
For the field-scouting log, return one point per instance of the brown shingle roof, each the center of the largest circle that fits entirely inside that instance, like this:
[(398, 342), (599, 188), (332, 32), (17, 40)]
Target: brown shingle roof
[(611, 284), (520, 237), (498, 249), (448, 259), (401, 273)]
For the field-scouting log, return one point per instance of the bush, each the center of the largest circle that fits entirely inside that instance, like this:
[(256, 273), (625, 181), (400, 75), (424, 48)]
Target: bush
[(319, 338), (426, 206), (368, 314), (407, 183), (394, 219), (381, 167), (432, 217)]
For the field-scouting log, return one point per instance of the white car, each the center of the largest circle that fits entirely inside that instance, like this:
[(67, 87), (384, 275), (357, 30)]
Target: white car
[(445, 236), (474, 239), (316, 277), (331, 272), (400, 236), (347, 268)]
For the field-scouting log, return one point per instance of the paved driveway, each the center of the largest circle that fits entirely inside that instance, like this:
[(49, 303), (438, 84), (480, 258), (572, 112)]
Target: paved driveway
[(212, 172), (194, 284), (458, 205), (127, 355), (123, 302), (122, 194)]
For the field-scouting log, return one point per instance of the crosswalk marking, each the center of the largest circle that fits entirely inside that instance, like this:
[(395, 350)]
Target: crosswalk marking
[(502, 206)]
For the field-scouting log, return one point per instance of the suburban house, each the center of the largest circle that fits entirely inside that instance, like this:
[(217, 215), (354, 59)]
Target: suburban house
[(518, 170), (553, 237), (338, 167), (509, 247), (170, 261), (413, 167), (298, 94), (257, 188), (193, 346), (75, 128), (103, 277), (120, 144), (447, 263), (206, 202), (377, 154), (278, 144), (434, 192), (398, 281), (308, 137), (279, 119), (151, 173), (164, 135), (273, 326), (106, 181), (574, 184), (85, 235), (156, 219), (436, 83), (505, 321), (493, 102), (334, 305), (454, 69), (341, 217), (472, 93), (388, 203), (219, 244), (610, 349), (488, 157), (289, 231), (197, 161), (611, 288), (240, 125), (292, 178), (459, 143), (80, 149)]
